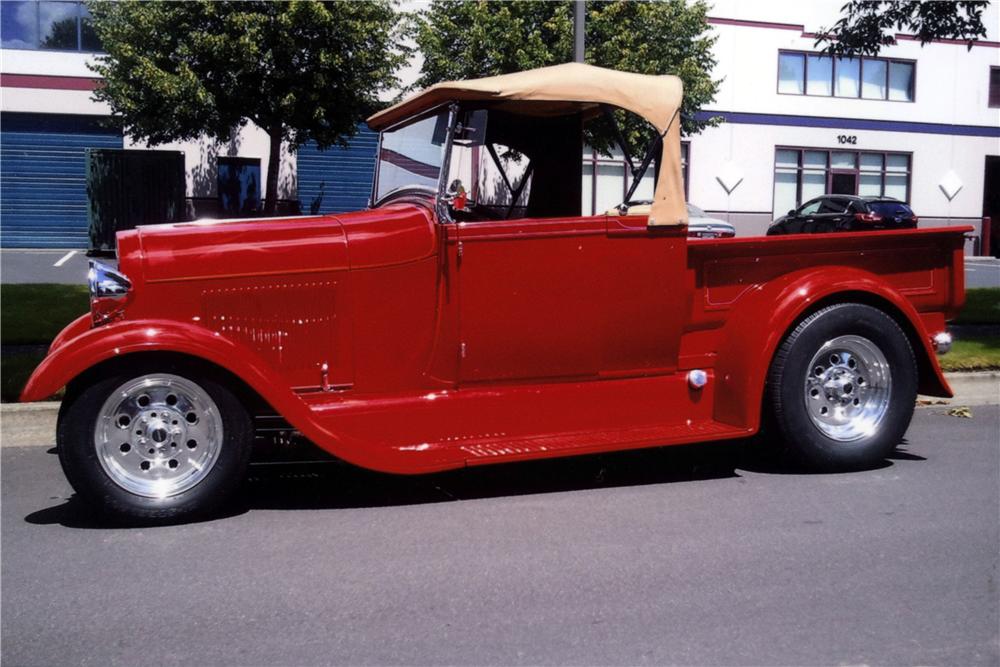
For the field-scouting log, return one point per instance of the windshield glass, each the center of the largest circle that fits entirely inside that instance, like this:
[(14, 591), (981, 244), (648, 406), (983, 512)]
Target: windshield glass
[(411, 156)]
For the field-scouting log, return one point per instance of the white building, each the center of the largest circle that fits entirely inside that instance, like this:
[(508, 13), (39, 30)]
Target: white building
[(918, 123), (48, 121)]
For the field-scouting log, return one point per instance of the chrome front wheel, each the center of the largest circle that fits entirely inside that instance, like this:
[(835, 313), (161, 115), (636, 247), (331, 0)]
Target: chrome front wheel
[(158, 435), (154, 441)]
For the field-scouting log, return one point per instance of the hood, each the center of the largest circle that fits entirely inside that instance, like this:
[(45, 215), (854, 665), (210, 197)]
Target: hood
[(386, 235), (229, 248)]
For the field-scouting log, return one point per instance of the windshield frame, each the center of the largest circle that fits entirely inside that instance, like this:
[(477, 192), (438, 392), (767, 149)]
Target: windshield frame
[(437, 192)]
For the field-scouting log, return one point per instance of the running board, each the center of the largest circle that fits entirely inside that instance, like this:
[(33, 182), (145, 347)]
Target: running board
[(590, 442), (429, 431)]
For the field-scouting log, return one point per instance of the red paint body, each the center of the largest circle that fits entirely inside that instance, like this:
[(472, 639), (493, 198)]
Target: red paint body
[(457, 344)]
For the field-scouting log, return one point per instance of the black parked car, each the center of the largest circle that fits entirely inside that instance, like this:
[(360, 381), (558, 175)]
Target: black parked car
[(845, 213)]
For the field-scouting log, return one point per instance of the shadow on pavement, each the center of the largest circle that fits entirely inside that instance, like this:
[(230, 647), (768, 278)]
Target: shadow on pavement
[(333, 485)]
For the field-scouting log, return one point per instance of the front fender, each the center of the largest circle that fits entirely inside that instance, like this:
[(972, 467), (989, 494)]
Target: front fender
[(73, 356), (762, 317)]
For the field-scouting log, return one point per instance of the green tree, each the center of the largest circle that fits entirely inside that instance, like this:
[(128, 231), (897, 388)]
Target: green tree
[(299, 70), (467, 39), (866, 25)]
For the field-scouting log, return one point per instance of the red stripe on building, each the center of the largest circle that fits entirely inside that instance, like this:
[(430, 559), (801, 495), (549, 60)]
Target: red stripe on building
[(755, 24), (714, 20), (48, 82)]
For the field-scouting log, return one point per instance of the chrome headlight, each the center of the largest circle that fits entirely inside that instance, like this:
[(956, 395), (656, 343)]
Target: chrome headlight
[(109, 290), (106, 282)]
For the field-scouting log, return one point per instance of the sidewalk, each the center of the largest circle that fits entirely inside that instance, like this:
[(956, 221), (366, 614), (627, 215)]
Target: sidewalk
[(34, 424), (982, 272)]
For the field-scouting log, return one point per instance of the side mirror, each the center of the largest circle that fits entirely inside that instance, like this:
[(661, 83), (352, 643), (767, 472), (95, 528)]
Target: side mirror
[(791, 212)]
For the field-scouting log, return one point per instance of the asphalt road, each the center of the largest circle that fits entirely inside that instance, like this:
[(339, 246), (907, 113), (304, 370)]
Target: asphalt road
[(697, 555), (39, 266)]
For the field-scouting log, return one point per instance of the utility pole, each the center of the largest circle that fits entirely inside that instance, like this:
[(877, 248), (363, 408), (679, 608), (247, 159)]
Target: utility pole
[(579, 29)]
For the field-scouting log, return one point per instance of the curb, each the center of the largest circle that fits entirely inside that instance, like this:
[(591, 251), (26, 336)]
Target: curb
[(28, 424), (974, 388), (34, 424)]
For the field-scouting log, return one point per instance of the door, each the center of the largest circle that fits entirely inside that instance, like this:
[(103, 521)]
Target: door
[(991, 204), (532, 297), (804, 219), (570, 298), (43, 178), (843, 183), (843, 173), (833, 214)]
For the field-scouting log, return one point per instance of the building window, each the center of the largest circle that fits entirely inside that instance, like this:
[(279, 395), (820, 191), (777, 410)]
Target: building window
[(239, 186), (685, 159), (800, 174), (994, 87), (50, 24), (606, 180), (860, 78)]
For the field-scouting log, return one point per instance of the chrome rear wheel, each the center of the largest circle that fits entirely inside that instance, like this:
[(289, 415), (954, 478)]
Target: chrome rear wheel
[(842, 388), (847, 388)]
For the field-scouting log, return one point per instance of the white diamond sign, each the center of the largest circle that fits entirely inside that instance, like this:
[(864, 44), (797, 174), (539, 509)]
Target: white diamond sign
[(729, 177), (950, 184)]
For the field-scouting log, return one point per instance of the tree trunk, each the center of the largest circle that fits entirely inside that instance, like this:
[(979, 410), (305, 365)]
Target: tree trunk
[(273, 167)]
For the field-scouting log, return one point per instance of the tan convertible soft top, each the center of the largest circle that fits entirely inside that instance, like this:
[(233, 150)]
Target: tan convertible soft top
[(568, 88)]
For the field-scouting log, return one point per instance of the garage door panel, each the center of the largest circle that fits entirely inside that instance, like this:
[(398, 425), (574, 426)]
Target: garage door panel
[(337, 179), (43, 178)]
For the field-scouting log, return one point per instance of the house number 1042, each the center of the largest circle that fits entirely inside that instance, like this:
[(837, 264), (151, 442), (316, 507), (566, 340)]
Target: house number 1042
[(847, 138)]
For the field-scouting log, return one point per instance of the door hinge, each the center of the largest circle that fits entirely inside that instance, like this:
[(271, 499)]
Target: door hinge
[(461, 350), (460, 250), (324, 376)]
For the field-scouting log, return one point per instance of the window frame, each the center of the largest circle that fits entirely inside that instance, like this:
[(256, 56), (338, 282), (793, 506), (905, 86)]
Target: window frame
[(833, 76), (79, 16), (989, 88), (829, 171)]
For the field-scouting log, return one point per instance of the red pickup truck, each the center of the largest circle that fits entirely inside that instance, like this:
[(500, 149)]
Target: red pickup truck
[(471, 315)]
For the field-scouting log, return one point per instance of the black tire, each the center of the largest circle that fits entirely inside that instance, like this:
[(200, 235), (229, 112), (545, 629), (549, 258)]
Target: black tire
[(76, 441), (788, 403)]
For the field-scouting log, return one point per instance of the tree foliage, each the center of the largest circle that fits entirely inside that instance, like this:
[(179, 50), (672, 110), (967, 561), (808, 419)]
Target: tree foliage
[(468, 39), (866, 25), (300, 70)]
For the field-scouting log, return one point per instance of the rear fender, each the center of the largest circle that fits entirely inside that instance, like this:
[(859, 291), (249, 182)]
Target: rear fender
[(74, 356), (764, 316)]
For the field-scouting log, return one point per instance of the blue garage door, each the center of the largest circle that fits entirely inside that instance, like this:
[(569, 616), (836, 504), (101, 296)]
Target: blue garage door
[(337, 179), (43, 178)]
